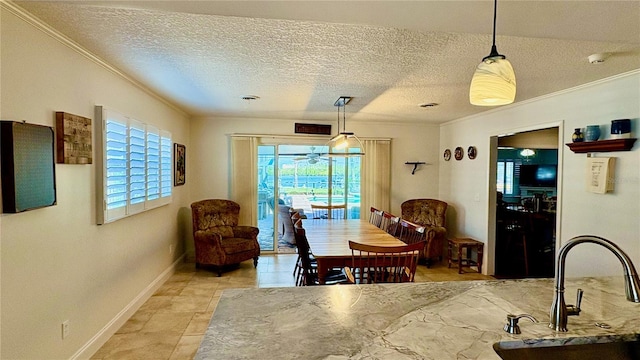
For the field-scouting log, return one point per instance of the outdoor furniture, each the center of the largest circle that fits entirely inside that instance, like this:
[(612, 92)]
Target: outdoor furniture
[(328, 211), (429, 213), (218, 238)]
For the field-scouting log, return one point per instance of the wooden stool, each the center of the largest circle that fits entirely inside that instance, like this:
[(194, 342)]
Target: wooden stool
[(468, 244)]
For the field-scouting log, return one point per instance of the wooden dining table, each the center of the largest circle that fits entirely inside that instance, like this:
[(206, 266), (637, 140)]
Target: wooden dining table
[(329, 240)]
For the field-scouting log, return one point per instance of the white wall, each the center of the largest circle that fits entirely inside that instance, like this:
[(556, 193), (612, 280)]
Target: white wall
[(613, 215), (208, 166), (56, 263)]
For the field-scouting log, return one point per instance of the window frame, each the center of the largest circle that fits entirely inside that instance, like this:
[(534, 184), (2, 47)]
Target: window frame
[(505, 185), (159, 141)]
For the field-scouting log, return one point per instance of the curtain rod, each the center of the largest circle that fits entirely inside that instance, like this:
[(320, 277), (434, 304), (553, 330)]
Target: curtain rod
[(298, 137)]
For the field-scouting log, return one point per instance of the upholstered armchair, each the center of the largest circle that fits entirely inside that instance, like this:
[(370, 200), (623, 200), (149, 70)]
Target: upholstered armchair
[(218, 238), (429, 213)]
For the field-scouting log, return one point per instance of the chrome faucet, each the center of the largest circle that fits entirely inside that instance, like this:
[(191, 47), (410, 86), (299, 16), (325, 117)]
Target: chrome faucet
[(559, 310)]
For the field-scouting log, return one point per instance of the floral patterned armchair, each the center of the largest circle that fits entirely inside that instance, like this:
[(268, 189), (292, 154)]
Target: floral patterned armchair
[(429, 213), (218, 239)]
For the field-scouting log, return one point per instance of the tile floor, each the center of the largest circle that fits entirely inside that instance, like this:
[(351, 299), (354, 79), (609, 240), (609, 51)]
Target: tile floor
[(172, 322)]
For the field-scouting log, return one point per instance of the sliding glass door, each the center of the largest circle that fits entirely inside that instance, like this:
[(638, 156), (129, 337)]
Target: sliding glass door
[(299, 177)]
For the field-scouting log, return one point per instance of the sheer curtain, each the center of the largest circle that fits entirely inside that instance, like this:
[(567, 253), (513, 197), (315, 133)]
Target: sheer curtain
[(375, 176), (244, 177)]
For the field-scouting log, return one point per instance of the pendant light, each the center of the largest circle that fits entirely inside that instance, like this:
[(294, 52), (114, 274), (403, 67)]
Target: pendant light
[(494, 82), (345, 143)]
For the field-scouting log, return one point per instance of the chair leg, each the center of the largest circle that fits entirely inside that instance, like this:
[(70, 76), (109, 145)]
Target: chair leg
[(255, 262)]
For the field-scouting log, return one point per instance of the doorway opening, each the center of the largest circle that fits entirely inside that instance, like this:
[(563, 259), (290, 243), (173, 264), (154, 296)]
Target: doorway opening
[(299, 178), (526, 204)]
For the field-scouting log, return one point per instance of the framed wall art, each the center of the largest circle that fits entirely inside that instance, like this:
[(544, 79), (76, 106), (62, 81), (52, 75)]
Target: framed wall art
[(472, 152), (73, 139), (27, 167), (179, 155)]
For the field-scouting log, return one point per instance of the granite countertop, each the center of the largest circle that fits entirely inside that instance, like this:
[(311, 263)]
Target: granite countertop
[(439, 320)]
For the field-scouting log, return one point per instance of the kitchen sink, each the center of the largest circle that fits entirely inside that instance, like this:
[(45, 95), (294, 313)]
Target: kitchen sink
[(619, 347)]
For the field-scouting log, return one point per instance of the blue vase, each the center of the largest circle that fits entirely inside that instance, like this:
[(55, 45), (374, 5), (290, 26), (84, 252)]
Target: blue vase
[(592, 133)]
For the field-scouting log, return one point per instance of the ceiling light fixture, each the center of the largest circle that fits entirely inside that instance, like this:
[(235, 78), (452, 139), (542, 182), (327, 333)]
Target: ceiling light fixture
[(494, 82), (597, 58), (527, 152), (345, 143)]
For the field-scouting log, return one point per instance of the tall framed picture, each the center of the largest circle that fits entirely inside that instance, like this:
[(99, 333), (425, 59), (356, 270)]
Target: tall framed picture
[(179, 155)]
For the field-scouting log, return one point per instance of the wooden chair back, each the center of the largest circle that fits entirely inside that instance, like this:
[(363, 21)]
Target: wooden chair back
[(384, 264), (411, 233), (308, 273), (389, 223), (375, 217)]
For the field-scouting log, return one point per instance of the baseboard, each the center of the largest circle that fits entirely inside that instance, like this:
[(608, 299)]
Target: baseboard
[(99, 339)]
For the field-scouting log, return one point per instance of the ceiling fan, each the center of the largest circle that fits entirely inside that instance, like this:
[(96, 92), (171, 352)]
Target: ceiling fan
[(312, 158)]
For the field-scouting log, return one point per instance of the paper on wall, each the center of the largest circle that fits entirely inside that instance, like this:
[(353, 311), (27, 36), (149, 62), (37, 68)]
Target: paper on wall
[(600, 174)]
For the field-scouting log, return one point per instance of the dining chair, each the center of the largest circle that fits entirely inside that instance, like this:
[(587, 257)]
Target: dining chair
[(375, 217), (328, 211), (389, 223), (297, 270), (383, 264), (309, 270), (410, 233)]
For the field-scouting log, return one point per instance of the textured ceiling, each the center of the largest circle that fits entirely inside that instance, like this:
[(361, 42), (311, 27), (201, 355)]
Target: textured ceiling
[(391, 56)]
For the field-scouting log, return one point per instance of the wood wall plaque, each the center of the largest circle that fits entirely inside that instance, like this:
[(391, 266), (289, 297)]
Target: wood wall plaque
[(73, 139)]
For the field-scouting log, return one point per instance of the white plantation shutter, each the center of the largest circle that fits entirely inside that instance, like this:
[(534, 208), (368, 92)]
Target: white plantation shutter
[(165, 165), (134, 167), (116, 133), (137, 176), (153, 163)]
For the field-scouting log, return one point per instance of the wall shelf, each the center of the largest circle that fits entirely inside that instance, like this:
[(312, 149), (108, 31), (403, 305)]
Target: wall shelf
[(415, 165), (602, 145)]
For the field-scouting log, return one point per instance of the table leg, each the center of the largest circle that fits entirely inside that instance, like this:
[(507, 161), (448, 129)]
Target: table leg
[(322, 270), (449, 250), (480, 254)]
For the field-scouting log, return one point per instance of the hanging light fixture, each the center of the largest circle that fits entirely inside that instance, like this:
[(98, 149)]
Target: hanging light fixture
[(494, 82), (345, 143)]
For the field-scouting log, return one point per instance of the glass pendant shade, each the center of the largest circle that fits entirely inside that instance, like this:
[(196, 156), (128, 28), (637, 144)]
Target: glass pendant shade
[(345, 143), (493, 83)]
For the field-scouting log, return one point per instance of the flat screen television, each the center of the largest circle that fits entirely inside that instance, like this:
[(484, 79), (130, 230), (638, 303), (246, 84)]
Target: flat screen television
[(538, 175)]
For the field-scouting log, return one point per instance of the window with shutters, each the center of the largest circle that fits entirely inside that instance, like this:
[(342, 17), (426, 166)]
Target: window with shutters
[(133, 167), (505, 181)]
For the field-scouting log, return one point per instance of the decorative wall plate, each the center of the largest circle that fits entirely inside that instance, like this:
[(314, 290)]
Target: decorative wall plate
[(447, 155), (472, 152), (459, 153)]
